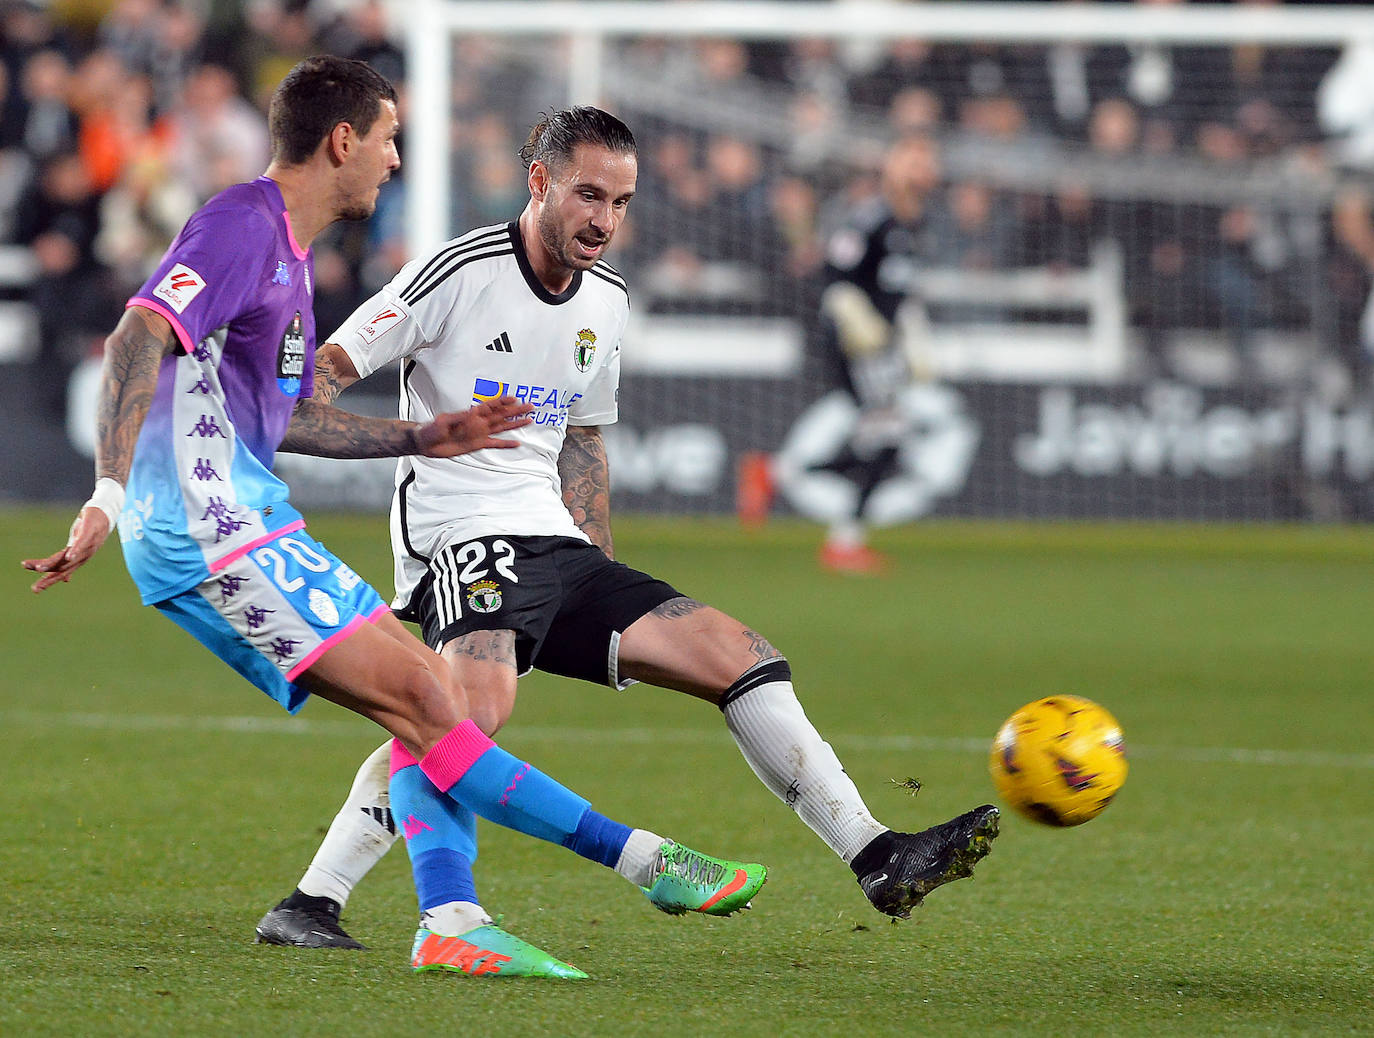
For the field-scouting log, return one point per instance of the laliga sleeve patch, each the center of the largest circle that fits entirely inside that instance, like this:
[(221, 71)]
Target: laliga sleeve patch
[(379, 324), (179, 286)]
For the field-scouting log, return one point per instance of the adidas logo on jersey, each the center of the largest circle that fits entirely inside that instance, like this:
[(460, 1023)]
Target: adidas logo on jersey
[(500, 344)]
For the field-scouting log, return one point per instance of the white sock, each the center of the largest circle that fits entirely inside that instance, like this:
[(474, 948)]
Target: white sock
[(639, 857), (790, 758), (360, 835), (454, 918)]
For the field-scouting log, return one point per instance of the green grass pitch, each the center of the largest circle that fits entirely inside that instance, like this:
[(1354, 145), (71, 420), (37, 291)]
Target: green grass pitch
[(155, 805)]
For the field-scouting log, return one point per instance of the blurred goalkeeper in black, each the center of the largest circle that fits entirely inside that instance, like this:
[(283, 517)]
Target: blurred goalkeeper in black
[(869, 266)]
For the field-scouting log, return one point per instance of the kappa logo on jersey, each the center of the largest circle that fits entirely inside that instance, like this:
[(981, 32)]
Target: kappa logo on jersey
[(379, 324), (550, 403), (179, 286), (291, 358), (484, 596), (584, 350)]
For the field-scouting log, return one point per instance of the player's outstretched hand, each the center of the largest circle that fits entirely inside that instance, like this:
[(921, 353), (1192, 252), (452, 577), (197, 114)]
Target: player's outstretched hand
[(462, 432), (89, 531)]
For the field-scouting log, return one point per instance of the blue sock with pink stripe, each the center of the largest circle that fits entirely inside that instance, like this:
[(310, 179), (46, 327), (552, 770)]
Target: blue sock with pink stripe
[(440, 835), (485, 779)]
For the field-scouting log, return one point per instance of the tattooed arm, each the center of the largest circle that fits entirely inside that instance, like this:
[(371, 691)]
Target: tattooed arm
[(319, 428), (586, 480), (334, 372), (133, 354)]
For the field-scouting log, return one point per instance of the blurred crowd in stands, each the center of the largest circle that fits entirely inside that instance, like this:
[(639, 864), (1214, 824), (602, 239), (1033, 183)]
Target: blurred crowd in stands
[(119, 118), (1233, 179)]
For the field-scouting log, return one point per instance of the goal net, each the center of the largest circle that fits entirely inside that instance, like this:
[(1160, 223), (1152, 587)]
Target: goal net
[(1142, 282)]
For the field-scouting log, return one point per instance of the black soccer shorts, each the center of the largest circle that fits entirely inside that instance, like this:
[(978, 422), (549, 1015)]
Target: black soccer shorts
[(566, 602)]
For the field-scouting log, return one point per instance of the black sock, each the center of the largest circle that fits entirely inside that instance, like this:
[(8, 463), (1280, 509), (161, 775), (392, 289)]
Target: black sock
[(311, 903), (877, 854)]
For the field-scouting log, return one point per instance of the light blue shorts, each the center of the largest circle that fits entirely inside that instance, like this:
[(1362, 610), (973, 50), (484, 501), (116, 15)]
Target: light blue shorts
[(271, 613)]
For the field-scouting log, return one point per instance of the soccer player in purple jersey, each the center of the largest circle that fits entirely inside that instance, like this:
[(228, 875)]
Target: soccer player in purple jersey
[(206, 376)]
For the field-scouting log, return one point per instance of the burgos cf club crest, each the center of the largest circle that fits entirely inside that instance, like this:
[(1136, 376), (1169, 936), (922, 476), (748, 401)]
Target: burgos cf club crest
[(484, 596), (584, 349)]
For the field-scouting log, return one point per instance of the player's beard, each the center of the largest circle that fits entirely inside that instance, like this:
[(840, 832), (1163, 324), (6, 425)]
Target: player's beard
[(358, 211), (360, 204), (560, 245)]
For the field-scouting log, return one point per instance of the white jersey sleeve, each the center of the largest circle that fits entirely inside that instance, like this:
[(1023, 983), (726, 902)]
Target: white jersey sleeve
[(387, 328), (380, 331)]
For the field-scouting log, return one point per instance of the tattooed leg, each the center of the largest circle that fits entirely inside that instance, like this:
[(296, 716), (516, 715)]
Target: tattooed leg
[(693, 648), (484, 664), (690, 647)]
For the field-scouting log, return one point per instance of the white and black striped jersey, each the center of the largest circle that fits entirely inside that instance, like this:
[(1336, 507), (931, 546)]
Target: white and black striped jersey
[(470, 321)]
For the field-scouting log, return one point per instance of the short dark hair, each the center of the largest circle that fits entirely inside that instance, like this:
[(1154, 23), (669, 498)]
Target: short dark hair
[(317, 95), (553, 138)]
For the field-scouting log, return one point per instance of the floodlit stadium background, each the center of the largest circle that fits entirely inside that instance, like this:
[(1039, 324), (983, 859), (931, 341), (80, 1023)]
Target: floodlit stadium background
[(1146, 293)]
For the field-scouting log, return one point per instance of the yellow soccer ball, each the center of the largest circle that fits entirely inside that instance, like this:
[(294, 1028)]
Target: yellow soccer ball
[(1059, 760)]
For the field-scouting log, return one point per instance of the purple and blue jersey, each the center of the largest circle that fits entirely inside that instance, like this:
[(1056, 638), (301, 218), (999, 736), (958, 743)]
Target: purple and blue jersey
[(237, 290)]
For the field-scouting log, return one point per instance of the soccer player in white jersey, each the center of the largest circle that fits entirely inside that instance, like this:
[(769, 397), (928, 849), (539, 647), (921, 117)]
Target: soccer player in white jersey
[(506, 559), (206, 376)]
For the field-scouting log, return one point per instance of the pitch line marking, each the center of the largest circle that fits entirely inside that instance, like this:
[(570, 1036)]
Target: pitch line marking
[(13, 719)]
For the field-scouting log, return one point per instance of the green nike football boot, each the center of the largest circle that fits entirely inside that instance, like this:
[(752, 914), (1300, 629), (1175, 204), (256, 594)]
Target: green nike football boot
[(689, 881), (487, 951)]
